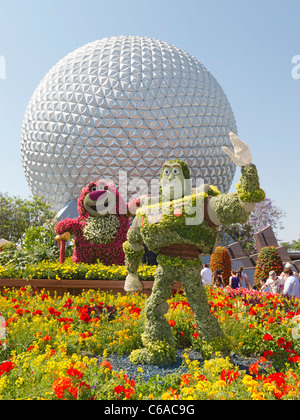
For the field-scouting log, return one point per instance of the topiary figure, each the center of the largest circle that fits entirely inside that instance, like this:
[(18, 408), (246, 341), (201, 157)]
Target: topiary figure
[(220, 260), (181, 225), (101, 228), (268, 260)]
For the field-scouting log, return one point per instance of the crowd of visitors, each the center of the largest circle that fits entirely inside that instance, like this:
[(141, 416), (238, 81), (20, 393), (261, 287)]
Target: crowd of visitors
[(288, 283)]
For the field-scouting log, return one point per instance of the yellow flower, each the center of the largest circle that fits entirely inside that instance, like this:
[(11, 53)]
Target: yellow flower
[(166, 396), (3, 383), (19, 382), (257, 395)]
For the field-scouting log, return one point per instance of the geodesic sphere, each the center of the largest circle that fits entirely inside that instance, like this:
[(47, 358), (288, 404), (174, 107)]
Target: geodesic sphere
[(124, 103)]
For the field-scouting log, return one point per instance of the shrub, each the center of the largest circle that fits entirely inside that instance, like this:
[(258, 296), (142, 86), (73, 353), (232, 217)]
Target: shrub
[(220, 260), (268, 260)]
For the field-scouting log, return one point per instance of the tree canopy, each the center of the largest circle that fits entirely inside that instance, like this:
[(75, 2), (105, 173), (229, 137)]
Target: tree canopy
[(17, 215)]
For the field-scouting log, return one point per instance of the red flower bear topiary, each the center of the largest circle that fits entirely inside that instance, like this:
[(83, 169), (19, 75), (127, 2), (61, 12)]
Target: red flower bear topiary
[(101, 228)]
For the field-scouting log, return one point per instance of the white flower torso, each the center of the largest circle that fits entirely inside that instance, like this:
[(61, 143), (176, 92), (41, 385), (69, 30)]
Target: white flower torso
[(101, 230)]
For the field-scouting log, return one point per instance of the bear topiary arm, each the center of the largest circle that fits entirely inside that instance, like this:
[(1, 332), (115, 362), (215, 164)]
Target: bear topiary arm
[(67, 225)]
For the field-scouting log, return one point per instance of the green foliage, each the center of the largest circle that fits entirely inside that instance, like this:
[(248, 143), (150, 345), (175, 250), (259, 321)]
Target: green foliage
[(176, 230), (178, 262), (18, 214), (154, 353), (230, 209), (248, 188), (37, 245), (133, 258), (293, 246)]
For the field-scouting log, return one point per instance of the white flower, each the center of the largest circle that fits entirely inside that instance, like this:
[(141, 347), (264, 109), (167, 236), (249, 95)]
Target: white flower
[(101, 230)]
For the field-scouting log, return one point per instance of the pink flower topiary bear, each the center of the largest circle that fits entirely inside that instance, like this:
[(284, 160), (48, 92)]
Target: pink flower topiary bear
[(101, 228)]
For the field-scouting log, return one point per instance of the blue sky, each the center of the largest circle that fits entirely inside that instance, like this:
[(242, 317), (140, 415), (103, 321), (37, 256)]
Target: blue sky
[(247, 45)]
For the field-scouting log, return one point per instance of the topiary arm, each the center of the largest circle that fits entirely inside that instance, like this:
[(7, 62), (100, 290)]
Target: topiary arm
[(227, 209), (67, 225), (134, 250), (248, 189), (235, 208)]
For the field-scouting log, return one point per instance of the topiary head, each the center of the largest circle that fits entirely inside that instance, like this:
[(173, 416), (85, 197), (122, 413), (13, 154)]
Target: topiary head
[(100, 199), (175, 180)]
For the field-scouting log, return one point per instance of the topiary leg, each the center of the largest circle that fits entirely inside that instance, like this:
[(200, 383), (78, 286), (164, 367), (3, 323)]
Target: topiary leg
[(158, 338), (208, 326), (157, 327)]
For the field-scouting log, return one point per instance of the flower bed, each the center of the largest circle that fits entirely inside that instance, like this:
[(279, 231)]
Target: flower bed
[(59, 347), (71, 271)]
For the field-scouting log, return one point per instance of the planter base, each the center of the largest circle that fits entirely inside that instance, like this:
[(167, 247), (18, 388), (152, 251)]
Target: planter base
[(75, 287)]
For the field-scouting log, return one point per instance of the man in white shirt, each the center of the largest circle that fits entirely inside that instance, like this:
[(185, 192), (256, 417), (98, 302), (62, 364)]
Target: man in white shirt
[(292, 285), (206, 275)]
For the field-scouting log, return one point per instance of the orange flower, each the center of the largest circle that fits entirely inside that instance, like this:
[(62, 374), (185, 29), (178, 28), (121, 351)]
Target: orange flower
[(106, 365)]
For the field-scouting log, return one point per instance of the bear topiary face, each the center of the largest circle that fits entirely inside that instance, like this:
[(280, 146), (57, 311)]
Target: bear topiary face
[(100, 199)]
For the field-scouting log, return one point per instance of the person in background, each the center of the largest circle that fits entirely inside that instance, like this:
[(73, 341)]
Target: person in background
[(218, 279), (272, 283), (291, 285), (234, 280), (206, 275), (264, 287), (284, 275), (244, 279)]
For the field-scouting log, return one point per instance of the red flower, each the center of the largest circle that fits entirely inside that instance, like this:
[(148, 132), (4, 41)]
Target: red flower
[(37, 312), (267, 353), (271, 320), (172, 323), (229, 375), (119, 389), (30, 348), (84, 316), (294, 359), (74, 372), (253, 369), (47, 338), (53, 311), (64, 384), (135, 310), (281, 342), (128, 392), (267, 337), (6, 367)]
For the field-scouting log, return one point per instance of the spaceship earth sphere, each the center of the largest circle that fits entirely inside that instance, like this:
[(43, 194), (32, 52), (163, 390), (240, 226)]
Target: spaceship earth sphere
[(124, 103)]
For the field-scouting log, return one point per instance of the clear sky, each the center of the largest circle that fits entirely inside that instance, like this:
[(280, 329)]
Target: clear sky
[(248, 45)]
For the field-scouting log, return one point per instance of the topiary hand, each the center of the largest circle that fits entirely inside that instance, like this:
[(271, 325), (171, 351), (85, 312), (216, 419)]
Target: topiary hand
[(132, 284), (242, 155), (63, 237)]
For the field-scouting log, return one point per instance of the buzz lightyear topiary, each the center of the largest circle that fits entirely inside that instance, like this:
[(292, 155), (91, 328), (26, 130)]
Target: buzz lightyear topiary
[(181, 226)]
